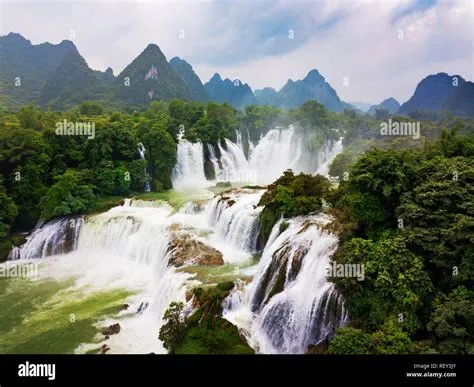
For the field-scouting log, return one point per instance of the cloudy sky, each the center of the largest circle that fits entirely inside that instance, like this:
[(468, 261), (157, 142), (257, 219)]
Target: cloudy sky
[(380, 48)]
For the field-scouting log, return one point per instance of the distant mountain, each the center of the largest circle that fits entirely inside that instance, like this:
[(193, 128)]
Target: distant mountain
[(149, 77), (390, 104), (431, 93), (24, 68), (194, 84), (71, 83), (461, 100), (234, 92), (362, 106), (313, 86), (267, 96), (107, 76)]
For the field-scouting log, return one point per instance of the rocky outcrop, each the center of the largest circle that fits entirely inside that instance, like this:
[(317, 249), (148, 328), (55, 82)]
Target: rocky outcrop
[(111, 330), (186, 249)]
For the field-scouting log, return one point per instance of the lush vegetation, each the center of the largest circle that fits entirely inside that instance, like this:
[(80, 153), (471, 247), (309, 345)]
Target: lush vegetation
[(204, 331), (408, 217), (290, 195)]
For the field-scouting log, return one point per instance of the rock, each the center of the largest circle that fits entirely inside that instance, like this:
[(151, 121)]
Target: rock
[(318, 349), (142, 307), (111, 330), (104, 349), (107, 337), (123, 307), (186, 249)]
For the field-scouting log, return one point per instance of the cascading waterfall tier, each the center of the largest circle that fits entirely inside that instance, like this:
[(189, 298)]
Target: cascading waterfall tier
[(234, 217), (289, 304), (278, 150), (188, 172), (56, 237), (281, 149)]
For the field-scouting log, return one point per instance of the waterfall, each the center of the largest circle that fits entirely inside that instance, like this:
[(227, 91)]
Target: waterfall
[(234, 217), (289, 304), (235, 167), (188, 172), (218, 170), (141, 150), (124, 248), (327, 156), (57, 237), (280, 149)]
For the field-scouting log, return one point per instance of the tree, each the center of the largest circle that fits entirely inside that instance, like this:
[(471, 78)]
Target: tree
[(89, 108), (67, 196), (172, 331), (452, 322), (350, 341), (8, 211)]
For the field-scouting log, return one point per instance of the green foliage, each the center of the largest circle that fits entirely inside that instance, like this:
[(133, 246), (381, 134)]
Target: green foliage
[(161, 150), (173, 330), (452, 321), (290, 195), (8, 211), (89, 108), (350, 341), (389, 340), (413, 234), (294, 195), (67, 196), (206, 332)]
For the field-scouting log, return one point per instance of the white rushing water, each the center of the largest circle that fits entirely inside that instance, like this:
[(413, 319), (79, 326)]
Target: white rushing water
[(127, 248), (56, 237), (279, 149), (289, 304), (235, 220), (188, 173), (141, 150)]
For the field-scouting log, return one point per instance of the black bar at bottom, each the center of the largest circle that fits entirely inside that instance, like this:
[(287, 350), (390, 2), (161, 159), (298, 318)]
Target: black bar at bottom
[(308, 370)]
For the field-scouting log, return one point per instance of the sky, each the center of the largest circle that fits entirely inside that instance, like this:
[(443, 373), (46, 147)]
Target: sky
[(366, 50)]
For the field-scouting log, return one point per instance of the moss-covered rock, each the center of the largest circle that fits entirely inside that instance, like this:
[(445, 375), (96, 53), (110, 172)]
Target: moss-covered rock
[(268, 218), (206, 331)]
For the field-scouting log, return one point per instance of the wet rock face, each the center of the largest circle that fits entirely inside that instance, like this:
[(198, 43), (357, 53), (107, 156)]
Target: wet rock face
[(284, 268), (185, 249)]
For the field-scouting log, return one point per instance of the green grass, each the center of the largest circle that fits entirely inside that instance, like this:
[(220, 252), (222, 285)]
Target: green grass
[(104, 204), (215, 274), (174, 198), (198, 339), (48, 317)]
